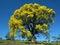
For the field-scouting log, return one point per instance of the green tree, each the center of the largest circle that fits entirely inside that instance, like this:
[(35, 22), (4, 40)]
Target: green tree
[(8, 37), (56, 38), (1, 38), (31, 19)]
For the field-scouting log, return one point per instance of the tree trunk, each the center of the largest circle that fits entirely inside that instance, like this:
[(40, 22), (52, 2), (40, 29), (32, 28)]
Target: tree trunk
[(32, 40)]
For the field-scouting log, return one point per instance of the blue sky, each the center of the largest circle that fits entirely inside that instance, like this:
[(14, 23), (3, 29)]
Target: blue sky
[(7, 7)]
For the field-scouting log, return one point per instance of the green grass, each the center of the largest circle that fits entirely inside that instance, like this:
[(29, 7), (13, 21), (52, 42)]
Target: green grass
[(10, 42)]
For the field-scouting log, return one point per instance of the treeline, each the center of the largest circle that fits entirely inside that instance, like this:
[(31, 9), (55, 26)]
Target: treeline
[(54, 38)]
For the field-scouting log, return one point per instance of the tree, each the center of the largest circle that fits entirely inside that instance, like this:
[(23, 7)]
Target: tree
[(1, 38), (31, 19), (56, 38), (8, 37), (47, 36)]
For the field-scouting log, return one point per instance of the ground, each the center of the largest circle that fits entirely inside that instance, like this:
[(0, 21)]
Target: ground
[(10, 42)]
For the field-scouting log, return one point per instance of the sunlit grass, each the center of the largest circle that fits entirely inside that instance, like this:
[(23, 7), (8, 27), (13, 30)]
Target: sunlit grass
[(16, 42)]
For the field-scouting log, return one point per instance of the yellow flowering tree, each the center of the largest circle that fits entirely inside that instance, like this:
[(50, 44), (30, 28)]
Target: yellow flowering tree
[(31, 19)]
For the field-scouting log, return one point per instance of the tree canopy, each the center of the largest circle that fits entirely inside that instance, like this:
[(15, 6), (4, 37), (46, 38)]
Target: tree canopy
[(31, 19)]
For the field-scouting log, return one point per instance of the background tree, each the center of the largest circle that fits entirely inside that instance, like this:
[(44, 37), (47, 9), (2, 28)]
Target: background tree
[(1, 38), (56, 38), (31, 19), (8, 37)]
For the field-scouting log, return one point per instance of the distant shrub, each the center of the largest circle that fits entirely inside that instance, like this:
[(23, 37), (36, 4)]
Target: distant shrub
[(0, 38), (48, 44)]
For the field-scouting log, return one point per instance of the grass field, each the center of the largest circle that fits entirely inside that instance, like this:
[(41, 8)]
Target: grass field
[(10, 42)]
